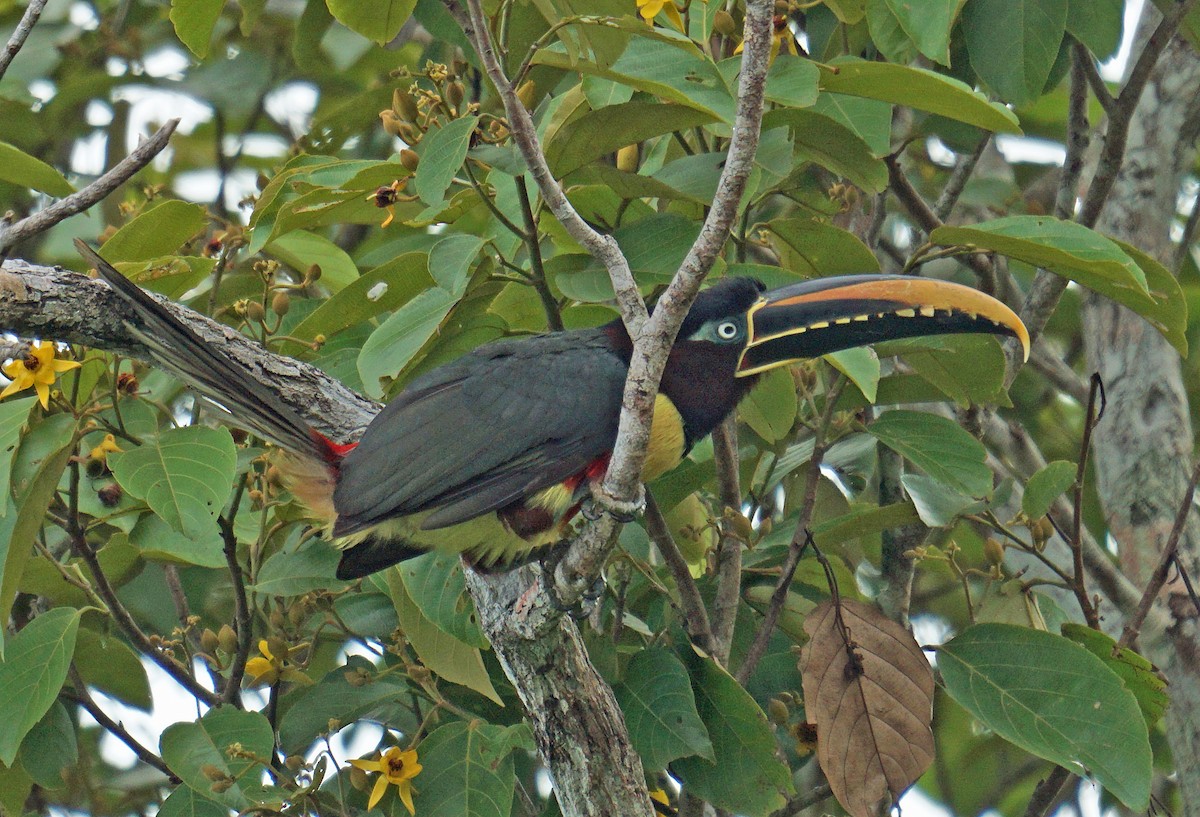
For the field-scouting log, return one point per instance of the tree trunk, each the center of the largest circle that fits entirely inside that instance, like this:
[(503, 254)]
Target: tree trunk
[(1143, 445)]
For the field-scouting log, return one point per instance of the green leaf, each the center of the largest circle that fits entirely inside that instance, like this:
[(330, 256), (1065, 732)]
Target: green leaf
[(966, 368), (888, 34), (1169, 315), (294, 573), (436, 584), (1062, 247), (1047, 485), (442, 154), (19, 168), (937, 505), (770, 408), (379, 20), (157, 541), (599, 133), (441, 652), (939, 447), (468, 771), (15, 785), (32, 673), (383, 289), (50, 747), (159, 231), (1054, 699), (1017, 64), (308, 715), (920, 89), (185, 802), (118, 559), (660, 710), (400, 338), (861, 365), (927, 24), (107, 663), (672, 70), (171, 275), (831, 144), (300, 249), (1098, 24), (21, 524), (194, 21), (184, 475), (745, 777), (816, 249), (189, 748), (792, 81), (1139, 675), (13, 414)]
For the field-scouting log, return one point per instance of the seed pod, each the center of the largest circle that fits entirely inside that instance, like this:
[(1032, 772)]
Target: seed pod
[(723, 23), (1041, 530), (404, 104), (993, 551), (227, 639), (281, 303), (211, 771), (454, 94), (778, 712), (410, 159), (255, 311), (391, 123), (276, 645), (209, 641), (110, 495), (409, 134)]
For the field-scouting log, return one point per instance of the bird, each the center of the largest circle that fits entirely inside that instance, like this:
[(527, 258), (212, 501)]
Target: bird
[(492, 455)]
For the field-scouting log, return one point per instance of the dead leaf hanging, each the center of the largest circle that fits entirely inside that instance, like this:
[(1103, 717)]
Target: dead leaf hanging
[(872, 703)]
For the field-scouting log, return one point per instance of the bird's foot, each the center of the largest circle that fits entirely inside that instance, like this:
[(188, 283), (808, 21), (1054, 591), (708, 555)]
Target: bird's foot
[(621, 510), (580, 609)]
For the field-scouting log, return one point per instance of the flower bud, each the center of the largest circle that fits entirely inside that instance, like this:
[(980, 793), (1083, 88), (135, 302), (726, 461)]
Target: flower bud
[(255, 311), (110, 495), (454, 93), (410, 159), (281, 303), (778, 712), (993, 551), (213, 772), (391, 122), (209, 641), (227, 639), (723, 23), (294, 762), (404, 104)]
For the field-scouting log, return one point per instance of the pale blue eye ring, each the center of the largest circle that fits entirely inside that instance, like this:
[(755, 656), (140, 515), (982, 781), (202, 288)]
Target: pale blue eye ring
[(727, 330)]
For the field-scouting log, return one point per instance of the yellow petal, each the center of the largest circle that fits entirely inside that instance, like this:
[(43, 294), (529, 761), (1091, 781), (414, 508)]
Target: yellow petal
[(406, 793), (12, 388), (44, 352), (265, 648), (367, 765), (43, 393), (13, 368), (61, 366), (377, 793)]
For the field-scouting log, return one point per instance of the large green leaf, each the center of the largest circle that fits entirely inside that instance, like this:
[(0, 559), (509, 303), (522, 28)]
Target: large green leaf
[(1169, 314), (441, 652), (599, 133), (861, 365), (770, 408), (672, 70), (294, 573), (468, 771), (379, 21), (436, 584), (13, 414), (1046, 486), (966, 368), (1138, 674), (32, 673), (108, 664), (920, 89), (159, 231), (1098, 24), (1062, 247), (442, 154), (939, 447), (1055, 699), (185, 802), (745, 776), (193, 750), (345, 695), (185, 475), (50, 748), (19, 168), (660, 710), (21, 524), (815, 249), (1017, 64), (833, 145), (194, 21), (300, 249), (927, 24)]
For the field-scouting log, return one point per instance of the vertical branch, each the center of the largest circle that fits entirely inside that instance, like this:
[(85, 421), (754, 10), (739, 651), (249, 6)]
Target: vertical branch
[(729, 546), (1079, 577), (695, 617), (17, 41)]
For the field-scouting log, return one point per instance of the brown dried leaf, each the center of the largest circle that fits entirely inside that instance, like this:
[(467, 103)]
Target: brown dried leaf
[(873, 726)]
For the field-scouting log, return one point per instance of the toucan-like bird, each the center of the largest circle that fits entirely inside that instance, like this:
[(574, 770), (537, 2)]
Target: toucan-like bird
[(516, 430)]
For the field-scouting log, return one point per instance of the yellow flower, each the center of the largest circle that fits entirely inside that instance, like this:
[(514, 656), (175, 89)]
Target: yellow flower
[(272, 666), (781, 39), (107, 446), (37, 370), (649, 9), (658, 798), (397, 766)]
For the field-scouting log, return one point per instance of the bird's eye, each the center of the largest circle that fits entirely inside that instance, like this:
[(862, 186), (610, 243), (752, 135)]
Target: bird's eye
[(727, 330)]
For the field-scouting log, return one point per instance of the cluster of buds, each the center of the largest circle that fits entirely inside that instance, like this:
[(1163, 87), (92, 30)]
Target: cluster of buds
[(419, 108)]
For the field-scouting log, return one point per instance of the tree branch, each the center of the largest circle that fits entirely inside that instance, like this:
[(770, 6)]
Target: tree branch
[(730, 544), (42, 220), (17, 41), (695, 616)]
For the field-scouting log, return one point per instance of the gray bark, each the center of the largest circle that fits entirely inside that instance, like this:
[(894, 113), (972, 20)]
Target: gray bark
[(1143, 445)]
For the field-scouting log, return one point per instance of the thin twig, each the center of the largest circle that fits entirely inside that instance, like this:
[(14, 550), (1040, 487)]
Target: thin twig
[(694, 615), (964, 166), (79, 201), (534, 247), (1165, 560), (788, 569), (232, 691), (1047, 792), (730, 544), (17, 41), (82, 697), (1079, 577), (1092, 74)]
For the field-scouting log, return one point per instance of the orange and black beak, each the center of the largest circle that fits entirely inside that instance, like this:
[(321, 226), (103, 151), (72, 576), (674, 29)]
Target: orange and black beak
[(825, 315)]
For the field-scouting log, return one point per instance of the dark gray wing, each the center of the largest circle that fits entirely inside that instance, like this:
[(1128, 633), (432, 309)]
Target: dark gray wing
[(471, 437)]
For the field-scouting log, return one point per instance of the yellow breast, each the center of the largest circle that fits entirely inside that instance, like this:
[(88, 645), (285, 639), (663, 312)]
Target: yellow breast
[(667, 440)]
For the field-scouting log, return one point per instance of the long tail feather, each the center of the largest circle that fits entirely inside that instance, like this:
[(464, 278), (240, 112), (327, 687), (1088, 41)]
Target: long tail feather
[(189, 357)]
